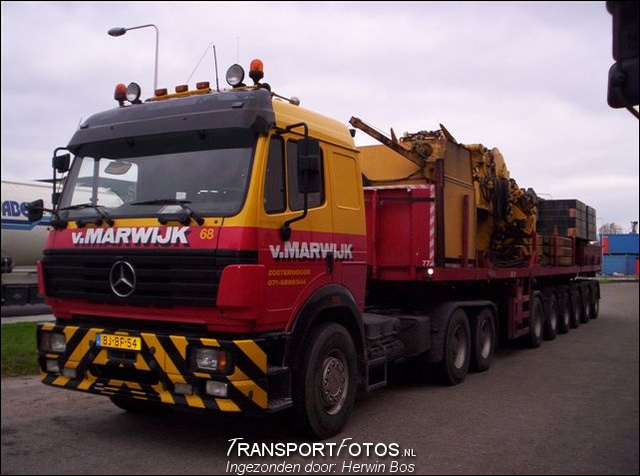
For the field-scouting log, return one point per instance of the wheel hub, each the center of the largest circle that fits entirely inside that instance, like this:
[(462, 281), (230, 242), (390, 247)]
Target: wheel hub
[(335, 377)]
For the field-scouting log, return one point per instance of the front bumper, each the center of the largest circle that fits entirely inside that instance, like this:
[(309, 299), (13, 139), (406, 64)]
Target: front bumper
[(153, 372)]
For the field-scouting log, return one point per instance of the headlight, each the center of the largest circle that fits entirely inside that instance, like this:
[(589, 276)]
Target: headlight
[(212, 360), (50, 342)]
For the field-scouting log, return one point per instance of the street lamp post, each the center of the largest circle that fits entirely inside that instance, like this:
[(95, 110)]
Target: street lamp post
[(119, 31)]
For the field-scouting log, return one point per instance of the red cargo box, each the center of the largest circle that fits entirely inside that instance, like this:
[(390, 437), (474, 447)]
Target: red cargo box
[(401, 231)]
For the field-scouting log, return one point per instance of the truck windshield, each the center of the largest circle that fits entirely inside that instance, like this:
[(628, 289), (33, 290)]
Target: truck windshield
[(212, 179)]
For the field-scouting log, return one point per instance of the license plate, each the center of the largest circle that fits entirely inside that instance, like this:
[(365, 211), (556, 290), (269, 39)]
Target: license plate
[(118, 342)]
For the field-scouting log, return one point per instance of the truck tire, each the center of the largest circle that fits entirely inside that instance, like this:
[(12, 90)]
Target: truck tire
[(134, 405), (550, 316), (483, 340), (564, 311), (576, 308), (595, 300), (325, 383), (536, 321), (457, 349), (585, 297)]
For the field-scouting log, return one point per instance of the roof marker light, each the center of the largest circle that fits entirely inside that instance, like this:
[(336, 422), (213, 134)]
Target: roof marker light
[(120, 94), (182, 88), (202, 85), (160, 92), (256, 71)]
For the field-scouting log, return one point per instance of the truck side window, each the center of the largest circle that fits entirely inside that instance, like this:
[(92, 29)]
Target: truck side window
[(296, 199), (274, 186)]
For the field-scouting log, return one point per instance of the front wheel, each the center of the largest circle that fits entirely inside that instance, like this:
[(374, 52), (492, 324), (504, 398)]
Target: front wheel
[(325, 383)]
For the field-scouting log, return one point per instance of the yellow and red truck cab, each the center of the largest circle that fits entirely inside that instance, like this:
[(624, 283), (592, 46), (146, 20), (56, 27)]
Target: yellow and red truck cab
[(166, 268)]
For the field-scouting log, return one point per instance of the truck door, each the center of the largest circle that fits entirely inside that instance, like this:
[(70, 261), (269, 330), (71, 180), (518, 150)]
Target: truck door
[(299, 265)]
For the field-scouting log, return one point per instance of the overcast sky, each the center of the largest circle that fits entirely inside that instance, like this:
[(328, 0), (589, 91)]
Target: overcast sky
[(528, 78)]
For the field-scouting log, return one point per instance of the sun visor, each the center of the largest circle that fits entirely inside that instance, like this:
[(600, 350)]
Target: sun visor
[(246, 109)]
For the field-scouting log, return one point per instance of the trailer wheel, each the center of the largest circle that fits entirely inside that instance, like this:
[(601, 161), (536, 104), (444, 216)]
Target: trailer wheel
[(595, 301), (134, 405), (586, 304), (576, 308), (483, 340), (551, 316), (564, 323), (457, 349), (535, 321), (325, 383)]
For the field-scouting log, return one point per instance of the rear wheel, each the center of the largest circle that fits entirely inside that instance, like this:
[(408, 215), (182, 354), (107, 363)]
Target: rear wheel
[(564, 321), (576, 308), (586, 304), (595, 301), (551, 316), (535, 321), (483, 339), (325, 383), (457, 349)]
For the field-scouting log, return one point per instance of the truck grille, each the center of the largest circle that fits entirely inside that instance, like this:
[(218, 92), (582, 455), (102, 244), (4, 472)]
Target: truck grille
[(164, 279)]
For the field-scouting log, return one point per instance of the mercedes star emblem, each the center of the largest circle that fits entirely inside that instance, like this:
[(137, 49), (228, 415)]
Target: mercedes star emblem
[(122, 279)]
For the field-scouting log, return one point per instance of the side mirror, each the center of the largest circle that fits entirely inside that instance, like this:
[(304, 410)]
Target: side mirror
[(35, 210), (624, 75), (623, 84), (309, 166), (61, 162)]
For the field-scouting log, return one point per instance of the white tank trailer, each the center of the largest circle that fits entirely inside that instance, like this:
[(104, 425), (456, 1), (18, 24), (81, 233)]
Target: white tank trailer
[(22, 242)]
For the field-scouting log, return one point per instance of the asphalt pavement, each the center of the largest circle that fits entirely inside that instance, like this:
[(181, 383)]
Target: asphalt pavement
[(569, 407)]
